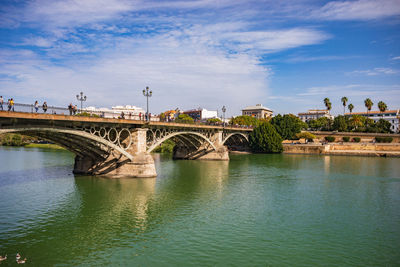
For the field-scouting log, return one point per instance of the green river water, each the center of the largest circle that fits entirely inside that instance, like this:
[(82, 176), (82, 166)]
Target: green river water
[(255, 210)]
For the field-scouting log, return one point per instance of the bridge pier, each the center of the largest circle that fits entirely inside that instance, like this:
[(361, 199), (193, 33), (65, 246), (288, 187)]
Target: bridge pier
[(141, 166)]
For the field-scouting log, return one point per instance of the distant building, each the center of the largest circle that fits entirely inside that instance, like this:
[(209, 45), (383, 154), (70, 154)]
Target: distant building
[(392, 116), (130, 112), (201, 114), (314, 114), (258, 111)]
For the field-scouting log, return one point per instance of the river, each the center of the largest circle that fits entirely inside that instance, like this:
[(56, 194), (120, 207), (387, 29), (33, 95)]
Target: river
[(255, 210)]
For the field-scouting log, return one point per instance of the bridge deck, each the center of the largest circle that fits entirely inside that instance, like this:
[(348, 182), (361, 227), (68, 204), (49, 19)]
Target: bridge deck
[(93, 120)]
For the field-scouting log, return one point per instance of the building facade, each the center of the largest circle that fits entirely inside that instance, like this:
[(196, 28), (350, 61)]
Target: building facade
[(392, 116), (130, 112), (258, 111), (314, 114), (201, 114)]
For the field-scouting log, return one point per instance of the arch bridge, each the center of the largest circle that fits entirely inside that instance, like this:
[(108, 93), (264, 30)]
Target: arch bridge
[(120, 147)]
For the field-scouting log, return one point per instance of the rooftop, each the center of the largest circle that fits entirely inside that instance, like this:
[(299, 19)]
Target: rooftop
[(257, 107), (374, 112)]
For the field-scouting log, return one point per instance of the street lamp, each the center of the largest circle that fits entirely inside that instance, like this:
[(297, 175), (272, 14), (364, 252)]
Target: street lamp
[(223, 111), (82, 98), (147, 94)]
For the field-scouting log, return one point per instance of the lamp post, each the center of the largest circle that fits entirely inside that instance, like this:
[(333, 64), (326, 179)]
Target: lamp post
[(223, 111), (82, 98), (147, 94)]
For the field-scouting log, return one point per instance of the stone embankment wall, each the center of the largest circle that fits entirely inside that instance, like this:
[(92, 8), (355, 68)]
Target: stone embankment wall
[(365, 137), (357, 149)]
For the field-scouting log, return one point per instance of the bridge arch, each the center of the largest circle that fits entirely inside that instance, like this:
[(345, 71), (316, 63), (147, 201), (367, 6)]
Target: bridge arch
[(232, 135), (60, 136), (185, 138)]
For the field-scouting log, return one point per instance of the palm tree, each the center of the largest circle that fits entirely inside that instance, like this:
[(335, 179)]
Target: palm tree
[(368, 104), (382, 107), (327, 103), (350, 107), (344, 101)]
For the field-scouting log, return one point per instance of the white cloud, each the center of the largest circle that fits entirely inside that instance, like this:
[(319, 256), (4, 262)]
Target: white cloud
[(396, 58), (357, 10), (180, 75), (374, 72)]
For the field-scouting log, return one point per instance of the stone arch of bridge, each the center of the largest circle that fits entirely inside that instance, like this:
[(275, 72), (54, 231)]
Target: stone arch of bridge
[(232, 135), (79, 142), (184, 138)]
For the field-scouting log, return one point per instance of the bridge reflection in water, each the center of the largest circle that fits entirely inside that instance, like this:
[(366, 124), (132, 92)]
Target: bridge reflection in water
[(120, 148)]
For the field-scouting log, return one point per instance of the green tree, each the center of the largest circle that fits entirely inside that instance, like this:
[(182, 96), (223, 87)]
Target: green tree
[(383, 126), (320, 124), (214, 121), (344, 101), (368, 104), (162, 117), (288, 125), (350, 107), (356, 121), (340, 123), (382, 107), (265, 139), (184, 118), (244, 120), (166, 147)]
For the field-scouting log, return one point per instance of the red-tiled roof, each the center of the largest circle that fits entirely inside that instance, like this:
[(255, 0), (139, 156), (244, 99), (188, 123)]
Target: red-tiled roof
[(373, 112)]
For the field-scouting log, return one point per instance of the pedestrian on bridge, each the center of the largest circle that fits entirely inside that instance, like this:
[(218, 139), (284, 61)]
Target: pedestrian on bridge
[(1, 102), (36, 106), (44, 107), (11, 106), (75, 108), (70, 108)]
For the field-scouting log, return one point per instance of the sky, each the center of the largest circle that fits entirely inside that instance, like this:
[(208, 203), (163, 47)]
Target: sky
[(286, 55)]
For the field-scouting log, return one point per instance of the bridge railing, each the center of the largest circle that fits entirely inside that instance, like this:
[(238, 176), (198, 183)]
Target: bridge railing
[(30, 108)]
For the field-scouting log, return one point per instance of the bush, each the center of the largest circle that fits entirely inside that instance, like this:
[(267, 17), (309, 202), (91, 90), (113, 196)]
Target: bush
[(87, 114), (166, 147), (357, 139), (13, 140), (265, 139), (346, 139), (306, 135), (383, 139), (330, 139), (184, 118)]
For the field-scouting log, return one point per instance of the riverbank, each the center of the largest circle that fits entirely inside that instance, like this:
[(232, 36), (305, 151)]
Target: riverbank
[(49, 146), (348, 149)]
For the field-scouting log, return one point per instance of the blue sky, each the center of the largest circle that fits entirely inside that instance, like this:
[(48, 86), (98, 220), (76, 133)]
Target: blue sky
[(287, 55)]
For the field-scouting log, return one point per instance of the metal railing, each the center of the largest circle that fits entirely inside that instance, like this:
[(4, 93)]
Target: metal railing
[(30, 108)]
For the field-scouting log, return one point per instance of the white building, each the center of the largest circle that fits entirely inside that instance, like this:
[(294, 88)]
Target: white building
[(258, 111), (392, 116), (130, 112), (201, 114), (314, 114)]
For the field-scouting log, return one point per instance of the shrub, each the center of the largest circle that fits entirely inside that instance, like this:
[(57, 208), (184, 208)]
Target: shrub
[(357, 139), (346, 139), (87, 114), (184, 118), (166, 147), (330, 138), (265, 139), (383, 139), (306, 135)]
